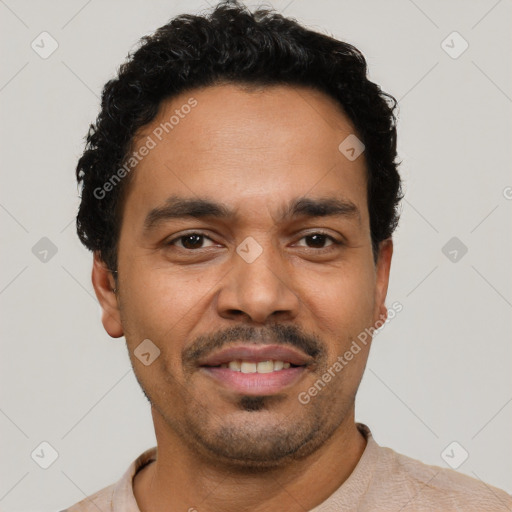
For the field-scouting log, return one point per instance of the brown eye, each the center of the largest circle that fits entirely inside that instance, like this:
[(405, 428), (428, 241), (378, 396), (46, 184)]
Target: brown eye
[(190, 241), (318, 241)]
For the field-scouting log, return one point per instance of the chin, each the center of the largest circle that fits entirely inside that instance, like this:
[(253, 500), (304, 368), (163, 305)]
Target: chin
[(255, 439)]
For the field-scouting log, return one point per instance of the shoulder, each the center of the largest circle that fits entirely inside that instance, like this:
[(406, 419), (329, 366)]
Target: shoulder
[(100, 500), (421, 486)]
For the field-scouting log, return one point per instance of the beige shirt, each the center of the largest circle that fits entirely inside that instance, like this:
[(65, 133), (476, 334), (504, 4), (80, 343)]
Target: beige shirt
[(382, 481)]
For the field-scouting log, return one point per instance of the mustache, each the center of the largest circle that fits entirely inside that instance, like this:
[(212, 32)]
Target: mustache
[(276, 334)]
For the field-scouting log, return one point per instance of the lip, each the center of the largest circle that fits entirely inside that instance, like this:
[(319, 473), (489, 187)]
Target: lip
[(256, 354), (255, 384)]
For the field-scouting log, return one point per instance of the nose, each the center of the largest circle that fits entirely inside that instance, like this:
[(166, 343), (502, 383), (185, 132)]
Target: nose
[(260, 290)]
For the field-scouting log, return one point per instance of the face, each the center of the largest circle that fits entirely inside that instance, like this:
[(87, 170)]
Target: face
[(245, 258)]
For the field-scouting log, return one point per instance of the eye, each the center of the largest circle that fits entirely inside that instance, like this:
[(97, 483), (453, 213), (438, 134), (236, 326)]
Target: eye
[(190, 241), (317, 240)]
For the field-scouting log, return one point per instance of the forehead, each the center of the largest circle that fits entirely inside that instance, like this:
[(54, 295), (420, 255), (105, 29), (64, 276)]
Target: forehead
[(246, 147)]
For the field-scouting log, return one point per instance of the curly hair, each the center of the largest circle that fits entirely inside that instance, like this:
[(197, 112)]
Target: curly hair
[(231, 44)]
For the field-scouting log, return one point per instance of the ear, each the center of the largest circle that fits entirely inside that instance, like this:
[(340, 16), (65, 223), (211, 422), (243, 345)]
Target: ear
[(382, 279), (104, 285)]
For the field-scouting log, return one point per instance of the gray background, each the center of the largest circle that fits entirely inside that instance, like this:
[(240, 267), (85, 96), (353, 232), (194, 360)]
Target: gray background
[(439, 372)]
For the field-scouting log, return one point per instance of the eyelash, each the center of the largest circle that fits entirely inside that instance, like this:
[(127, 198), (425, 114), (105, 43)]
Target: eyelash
[(334, 241)]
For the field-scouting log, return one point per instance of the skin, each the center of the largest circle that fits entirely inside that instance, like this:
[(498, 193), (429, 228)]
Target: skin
[(253, 150)]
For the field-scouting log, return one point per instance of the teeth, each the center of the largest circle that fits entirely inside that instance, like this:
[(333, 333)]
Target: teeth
[(265, 367), (252, 367), (278, 365), (234, 365), (247, 367)]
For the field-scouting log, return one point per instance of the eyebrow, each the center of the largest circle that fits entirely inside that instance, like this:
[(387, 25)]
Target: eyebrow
[(177, 207)]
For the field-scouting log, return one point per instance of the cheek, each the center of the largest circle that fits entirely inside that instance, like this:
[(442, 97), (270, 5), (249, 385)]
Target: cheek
[(161, 303), (342, 304)]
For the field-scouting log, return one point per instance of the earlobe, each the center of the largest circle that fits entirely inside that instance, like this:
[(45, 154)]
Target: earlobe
[(104, 287), (382, 279), (383, 315)]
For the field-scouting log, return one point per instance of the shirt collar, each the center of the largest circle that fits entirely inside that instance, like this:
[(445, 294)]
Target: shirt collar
[(123, 499)]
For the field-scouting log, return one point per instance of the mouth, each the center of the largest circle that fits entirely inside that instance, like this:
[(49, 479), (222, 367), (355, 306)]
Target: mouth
[(246, 366), (256, 370)]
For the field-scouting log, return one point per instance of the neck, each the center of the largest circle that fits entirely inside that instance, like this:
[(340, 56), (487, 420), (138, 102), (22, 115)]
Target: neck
[(182, 480)]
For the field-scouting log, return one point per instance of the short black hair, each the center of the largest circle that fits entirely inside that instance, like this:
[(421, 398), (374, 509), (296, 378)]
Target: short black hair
[(231, 44)]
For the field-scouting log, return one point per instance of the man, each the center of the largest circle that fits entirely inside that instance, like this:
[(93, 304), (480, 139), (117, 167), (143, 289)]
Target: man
[(240, 191)]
